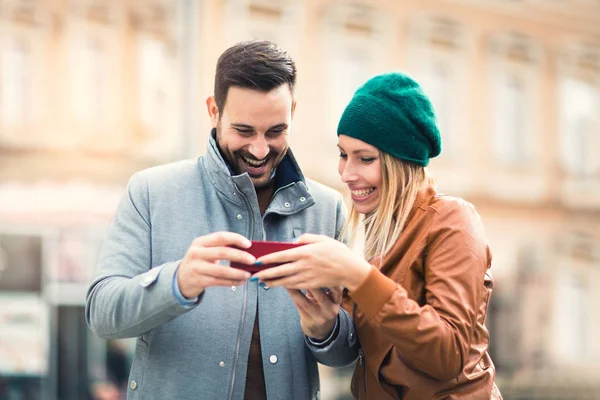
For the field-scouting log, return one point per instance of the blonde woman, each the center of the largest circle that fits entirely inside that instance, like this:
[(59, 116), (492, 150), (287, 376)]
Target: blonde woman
[(419, 296)]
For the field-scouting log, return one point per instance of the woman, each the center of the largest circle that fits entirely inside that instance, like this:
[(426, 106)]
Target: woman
[(419, 303)]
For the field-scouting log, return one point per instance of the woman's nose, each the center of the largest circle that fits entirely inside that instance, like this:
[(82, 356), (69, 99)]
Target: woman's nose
[(348, 174)]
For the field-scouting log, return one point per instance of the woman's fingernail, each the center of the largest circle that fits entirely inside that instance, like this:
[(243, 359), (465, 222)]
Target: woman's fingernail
[(253, 279), (257, 263), (262, 284)]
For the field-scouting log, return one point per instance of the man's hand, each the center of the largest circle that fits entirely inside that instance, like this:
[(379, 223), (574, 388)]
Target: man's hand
[(318, 311), (199, 268)]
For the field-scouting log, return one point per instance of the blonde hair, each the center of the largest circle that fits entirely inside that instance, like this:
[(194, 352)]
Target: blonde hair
[(401, 182)]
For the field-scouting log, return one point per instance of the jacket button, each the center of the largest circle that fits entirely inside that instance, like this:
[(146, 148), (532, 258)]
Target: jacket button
[(286, 204), (302, 199), (133, 385), (318, 395), (233, 288), (239, 216), (273, 359), (222, 364)]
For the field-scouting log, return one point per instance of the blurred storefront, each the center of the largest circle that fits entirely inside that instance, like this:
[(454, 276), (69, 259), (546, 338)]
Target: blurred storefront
[(49, 240)]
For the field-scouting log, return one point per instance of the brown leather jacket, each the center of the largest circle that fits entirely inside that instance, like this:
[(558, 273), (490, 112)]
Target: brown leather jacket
[(420, 315)]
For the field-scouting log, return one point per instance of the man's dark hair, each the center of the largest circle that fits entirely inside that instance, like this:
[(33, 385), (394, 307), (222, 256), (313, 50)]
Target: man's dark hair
[(258, 65)]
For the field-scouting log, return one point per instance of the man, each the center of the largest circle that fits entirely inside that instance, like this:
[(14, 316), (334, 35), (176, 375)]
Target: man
[(204, 331)]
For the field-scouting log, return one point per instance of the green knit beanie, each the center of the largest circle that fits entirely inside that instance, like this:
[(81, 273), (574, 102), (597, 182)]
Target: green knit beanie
[(392, 113)]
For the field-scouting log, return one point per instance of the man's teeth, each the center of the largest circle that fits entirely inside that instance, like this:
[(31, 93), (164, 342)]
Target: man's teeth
[(254, 163), (362, 193)]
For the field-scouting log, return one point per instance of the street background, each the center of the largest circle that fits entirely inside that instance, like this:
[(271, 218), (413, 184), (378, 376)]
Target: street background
[(92, 91)]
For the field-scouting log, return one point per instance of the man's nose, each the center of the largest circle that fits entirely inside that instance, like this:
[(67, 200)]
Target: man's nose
[(259, 148)]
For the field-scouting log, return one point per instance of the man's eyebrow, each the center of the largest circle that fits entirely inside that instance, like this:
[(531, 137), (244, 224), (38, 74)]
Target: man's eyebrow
[(242, 126), (278, 126), (249, 127)]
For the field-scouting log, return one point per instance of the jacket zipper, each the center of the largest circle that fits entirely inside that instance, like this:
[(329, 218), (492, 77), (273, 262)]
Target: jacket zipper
[(239, 339), (251, 237), (361, 359)]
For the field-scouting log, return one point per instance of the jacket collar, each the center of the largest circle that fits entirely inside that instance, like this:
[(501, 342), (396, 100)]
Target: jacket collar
[(291, 192), (422, 201)]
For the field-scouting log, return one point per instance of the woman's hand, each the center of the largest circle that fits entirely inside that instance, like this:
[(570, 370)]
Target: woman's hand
[(322, 263)]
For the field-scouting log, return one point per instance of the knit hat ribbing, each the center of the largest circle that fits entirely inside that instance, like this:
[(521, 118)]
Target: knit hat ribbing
[(392, 113)]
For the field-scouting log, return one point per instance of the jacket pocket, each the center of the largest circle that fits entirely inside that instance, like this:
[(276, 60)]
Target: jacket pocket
[(135, 384)]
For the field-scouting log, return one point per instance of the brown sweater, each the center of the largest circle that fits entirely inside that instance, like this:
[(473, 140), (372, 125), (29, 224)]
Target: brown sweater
[(420, 313)]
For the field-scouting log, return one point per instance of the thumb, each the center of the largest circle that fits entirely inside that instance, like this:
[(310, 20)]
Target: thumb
[(309, 238)]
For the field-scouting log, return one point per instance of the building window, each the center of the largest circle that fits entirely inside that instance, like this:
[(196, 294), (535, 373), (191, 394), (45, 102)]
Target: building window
[(152, 84), (579, 110), (514, 84), (158, 74), (264, 20), (573, 332), (17, 83), (576, 321), (349, 68), (437, 83), (437, 62), (274, 20), (350, 53), (90, 81), (510, 133)]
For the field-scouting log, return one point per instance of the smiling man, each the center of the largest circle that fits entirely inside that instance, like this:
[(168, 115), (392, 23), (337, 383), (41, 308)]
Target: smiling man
[(203, 330)]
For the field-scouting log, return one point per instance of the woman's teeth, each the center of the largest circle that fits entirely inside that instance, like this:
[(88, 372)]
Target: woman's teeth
[(362, 193)]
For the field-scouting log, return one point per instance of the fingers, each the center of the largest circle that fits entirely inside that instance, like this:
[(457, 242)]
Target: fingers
[(212, 254), (287, 282), (317, 296), (296, 253), (317, 320), (299, 299), (291, 280), (336, 294), (194, 276), (222, 239), (333, 295), (210, 281), (221, 272), (320, 296), (306, 307), (308, 238), (284, 256), (279, 272)]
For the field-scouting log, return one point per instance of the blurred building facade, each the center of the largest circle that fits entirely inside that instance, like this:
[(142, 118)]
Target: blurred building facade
[(91, 91)]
